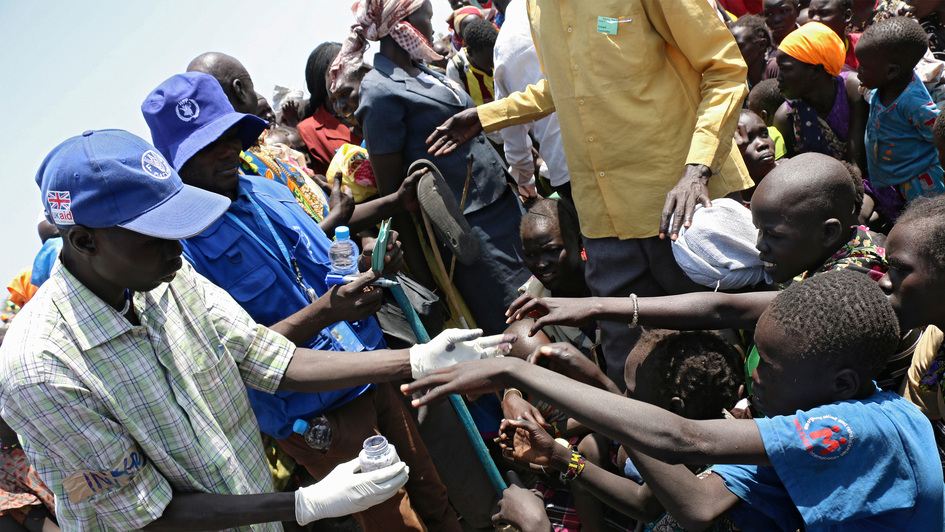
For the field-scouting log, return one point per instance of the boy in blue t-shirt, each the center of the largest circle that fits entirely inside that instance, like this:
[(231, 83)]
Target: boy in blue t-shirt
[(900, 149), (836, 453)]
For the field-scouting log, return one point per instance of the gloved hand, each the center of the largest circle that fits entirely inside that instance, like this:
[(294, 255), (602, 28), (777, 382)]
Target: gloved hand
[(345, 491), (456, 345)]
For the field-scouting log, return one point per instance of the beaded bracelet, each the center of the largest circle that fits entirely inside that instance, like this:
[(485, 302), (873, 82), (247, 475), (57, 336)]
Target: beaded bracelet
[(575, 467)]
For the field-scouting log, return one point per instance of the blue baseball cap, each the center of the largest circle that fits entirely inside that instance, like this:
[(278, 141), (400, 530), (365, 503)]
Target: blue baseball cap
[(189, 111), (111, 178)]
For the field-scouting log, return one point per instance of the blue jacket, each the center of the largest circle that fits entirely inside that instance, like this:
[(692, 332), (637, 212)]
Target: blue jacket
[(267, 287)]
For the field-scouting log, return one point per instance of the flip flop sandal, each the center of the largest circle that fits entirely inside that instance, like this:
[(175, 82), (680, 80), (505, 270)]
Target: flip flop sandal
[(449, 224)]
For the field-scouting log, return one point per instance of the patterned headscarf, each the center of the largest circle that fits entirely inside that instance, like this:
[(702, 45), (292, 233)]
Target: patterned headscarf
[(377, 19), (815, 44)]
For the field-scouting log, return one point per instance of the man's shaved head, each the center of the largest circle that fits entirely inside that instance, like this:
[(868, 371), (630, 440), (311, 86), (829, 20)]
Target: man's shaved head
[(232, 76)]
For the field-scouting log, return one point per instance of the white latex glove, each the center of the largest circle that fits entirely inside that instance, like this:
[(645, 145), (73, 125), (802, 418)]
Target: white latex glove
[(456, 345), (345, 491)]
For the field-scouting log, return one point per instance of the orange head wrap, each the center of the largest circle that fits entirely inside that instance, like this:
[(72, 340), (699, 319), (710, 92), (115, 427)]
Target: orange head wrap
[(815, 44)]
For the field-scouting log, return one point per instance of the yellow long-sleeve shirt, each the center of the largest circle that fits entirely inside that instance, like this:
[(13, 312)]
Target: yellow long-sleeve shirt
[(634, 107)]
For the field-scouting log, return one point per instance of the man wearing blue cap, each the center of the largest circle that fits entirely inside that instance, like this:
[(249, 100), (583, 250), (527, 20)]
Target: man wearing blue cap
[(124, 375), (272, 258)]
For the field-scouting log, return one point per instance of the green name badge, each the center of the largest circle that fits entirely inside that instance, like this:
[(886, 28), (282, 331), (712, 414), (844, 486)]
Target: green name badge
[(607, 25)]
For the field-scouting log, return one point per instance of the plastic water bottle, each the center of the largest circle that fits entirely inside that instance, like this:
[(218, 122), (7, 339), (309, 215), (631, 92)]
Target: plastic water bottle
[(316, 433), (377, 453), (343, 252)]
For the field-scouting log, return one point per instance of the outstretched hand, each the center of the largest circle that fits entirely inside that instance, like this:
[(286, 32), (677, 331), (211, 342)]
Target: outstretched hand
[(457, 345), (572, 311), (681, 201), (565, 359), (470, 377), (456, 131)]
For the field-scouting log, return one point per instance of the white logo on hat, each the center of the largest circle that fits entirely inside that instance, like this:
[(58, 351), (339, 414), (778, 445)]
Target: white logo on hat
[(155, 165), (60, 207), (187, 109)]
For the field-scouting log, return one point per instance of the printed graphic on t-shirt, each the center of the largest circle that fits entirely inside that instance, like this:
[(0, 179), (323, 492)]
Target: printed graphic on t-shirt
[(825, 437)]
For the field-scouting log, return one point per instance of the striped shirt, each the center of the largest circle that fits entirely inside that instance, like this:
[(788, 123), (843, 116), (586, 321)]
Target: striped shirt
[(117, 417)]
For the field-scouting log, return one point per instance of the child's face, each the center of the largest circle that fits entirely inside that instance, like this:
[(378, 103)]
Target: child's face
[(780, 17), (551, 259), (789, 242), (914, 286), (829, 13), (873, 69), (752, 50), (755, 144), (783, 383), (481, 59)]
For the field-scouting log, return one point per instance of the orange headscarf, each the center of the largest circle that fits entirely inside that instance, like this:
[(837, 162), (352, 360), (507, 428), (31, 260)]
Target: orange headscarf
[(816, 44)]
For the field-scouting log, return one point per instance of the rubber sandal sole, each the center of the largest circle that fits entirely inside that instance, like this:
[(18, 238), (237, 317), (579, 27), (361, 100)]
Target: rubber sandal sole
[(449, 223)]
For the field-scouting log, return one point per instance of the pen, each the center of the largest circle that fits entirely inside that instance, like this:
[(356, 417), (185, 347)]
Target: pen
[(333, 279)]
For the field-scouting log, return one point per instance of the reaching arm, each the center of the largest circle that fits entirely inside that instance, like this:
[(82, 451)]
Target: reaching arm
[(699, 310), (648, 428), (533, 103), (321, 371), (694, 502)]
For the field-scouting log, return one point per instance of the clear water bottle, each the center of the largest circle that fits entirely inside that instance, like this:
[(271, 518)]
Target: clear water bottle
[(377, 453), (343, 252), (316, 432)]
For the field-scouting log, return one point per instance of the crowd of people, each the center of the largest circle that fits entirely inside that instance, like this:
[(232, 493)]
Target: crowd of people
[(677, 264)]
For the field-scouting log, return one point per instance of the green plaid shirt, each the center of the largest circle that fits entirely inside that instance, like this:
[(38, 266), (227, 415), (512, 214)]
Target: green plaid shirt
[(116, 417)]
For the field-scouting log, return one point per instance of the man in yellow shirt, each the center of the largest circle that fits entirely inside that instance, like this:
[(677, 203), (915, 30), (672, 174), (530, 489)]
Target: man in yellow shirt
[(643, 89)]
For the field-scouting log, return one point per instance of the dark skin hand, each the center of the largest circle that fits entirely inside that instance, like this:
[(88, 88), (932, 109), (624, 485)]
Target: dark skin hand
[(521, 508), (290, 113), (514, 406), (526, 441), (393, 259), (567, 360), (681, 201), (458, 130), (340, 208), (348, 302)]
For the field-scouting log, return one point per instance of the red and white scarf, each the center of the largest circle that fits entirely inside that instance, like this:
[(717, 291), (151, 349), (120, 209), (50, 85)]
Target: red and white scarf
[(377, 19)]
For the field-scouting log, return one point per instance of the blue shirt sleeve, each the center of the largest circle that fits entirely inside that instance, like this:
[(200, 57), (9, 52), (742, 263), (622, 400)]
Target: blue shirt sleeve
[(767, 505)]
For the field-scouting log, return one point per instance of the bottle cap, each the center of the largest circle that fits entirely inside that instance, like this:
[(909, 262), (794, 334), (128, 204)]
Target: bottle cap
[(342, 232), (300, 426)]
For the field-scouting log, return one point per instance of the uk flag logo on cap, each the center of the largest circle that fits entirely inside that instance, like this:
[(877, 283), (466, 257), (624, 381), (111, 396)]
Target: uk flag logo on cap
[(60, 207)]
